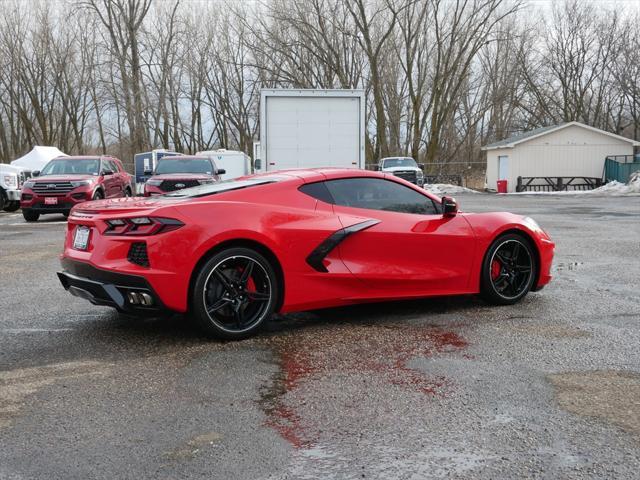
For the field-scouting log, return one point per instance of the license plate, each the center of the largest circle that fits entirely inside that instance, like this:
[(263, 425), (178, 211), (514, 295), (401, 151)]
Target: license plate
[(81, 238), (50, 200)]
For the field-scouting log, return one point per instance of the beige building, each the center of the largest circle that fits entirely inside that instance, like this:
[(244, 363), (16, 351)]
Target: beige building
[(566, 150)]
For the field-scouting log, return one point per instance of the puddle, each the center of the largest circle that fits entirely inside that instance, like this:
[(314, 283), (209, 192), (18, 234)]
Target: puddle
[(559, 267), (380, 353)]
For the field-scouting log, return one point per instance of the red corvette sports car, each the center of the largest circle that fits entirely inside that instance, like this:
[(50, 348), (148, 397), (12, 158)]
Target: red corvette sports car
[(234, 252)]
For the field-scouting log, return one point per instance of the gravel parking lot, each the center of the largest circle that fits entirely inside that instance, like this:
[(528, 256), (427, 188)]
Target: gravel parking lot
[(440, 388)]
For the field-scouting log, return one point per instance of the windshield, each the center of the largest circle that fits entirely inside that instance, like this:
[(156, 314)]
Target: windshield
[(184, 165), (82, 166), (223, 186), (399, 162)]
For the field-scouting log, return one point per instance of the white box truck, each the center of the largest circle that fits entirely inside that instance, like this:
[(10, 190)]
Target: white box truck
[(236, 164), (311, 128)]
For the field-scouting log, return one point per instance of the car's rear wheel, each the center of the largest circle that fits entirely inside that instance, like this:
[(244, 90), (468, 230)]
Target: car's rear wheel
[(234, 293), (98, 195), (29, 215), (508, 270)]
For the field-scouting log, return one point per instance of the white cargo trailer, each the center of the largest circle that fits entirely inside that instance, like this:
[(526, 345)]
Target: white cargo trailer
[(311, 128)]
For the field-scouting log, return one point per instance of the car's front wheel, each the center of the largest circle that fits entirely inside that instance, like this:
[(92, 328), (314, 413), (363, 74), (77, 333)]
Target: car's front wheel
[(509, 270), (234, 293), (12, 206), (29, 215)]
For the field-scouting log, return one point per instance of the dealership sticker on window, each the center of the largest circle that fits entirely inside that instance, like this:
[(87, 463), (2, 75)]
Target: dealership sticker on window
[(81, 238)]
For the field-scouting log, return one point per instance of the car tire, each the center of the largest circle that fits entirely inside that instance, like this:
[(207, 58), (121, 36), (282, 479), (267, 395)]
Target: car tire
[(234, 293), (3, 199), (509, 270), (29, 215), (11, 206), (97, 195), (127, 192)]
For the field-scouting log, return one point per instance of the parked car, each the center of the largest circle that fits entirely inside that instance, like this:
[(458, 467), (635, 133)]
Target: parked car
[(67, 181), (235, 163), (9, 188), (234, 252), (182, 171), (403, 167)]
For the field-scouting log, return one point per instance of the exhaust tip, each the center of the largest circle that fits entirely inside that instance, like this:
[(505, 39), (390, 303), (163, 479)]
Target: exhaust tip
[(139, 298)]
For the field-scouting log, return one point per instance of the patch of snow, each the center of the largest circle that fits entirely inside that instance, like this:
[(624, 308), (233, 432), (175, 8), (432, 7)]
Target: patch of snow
[(444, 188), (632, 187)]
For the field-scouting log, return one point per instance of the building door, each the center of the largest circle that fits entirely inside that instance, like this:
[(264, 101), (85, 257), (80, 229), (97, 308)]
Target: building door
[(503, 167)]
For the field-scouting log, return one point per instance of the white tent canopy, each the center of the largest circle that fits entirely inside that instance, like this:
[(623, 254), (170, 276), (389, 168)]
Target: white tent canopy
[(38, 158)]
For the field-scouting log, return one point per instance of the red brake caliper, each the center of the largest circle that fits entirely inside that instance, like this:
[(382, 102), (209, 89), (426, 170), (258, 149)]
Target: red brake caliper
[(496, 267)]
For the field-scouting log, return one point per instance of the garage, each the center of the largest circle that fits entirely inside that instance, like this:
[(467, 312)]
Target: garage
[(568, 156)]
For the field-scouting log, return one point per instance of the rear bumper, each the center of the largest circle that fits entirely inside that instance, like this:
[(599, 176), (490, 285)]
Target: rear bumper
[(102, 287)]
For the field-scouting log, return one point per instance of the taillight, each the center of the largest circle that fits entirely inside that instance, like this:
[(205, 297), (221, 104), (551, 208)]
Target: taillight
[(141, 226)]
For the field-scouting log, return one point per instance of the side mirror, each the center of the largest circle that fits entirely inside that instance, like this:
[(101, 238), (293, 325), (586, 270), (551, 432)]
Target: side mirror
[(220, 171), (257, 165), (449, 207), (148, 172), (35, 173), (421, 166), (106, 172), (376, 168)]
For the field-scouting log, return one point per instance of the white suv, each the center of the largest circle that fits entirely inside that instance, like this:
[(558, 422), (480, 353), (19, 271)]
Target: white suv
[(403, 167)]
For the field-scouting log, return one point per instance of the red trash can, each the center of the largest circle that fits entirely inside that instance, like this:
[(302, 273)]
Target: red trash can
[(502, 186)]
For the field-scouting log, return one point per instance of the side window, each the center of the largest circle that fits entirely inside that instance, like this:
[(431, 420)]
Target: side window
[(318, 191), (379, 194)]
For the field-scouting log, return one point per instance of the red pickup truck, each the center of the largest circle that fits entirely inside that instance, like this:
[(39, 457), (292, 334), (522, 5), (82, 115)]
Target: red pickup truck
[(67, 181)]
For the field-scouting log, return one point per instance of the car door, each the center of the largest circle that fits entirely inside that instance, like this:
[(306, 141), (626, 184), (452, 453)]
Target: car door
[(110, 180), (412, 249), (122, 177)]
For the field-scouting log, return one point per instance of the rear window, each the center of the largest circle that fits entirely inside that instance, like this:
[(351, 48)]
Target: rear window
[(223, 186)]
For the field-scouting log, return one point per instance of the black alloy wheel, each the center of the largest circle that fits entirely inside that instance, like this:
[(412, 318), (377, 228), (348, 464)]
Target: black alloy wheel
[(234, 293), (509, 270)]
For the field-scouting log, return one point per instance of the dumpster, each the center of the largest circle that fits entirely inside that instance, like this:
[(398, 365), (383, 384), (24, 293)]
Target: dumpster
[(502, 186)]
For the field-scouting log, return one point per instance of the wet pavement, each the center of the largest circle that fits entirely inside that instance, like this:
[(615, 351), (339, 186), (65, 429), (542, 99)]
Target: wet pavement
[(438, 388)]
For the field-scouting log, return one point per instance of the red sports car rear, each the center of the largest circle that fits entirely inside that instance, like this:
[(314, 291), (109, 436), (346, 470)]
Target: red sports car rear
[(235, 252)]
